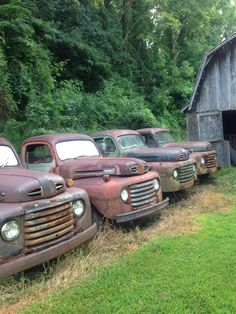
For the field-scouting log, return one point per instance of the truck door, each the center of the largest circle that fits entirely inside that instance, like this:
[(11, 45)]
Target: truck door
[(38, 157)]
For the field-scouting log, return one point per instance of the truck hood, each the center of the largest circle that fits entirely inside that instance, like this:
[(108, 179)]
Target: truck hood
[(158, 154), (85, 167), (20, 185), (194, 146)]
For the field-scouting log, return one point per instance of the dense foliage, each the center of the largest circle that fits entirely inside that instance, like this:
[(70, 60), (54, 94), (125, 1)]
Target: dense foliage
[(90, 64)]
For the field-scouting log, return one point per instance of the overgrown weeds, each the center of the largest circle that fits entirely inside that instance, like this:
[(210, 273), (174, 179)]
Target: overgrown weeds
[(177, 219)]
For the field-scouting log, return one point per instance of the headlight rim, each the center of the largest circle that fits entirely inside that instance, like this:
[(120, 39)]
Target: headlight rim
[(15, 236), (127, 195), (175, 174), (74, 212), (158, 184)]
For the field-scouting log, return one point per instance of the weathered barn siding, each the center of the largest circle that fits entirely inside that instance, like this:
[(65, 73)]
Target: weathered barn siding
[(217, 90), (192, 126), (213, 94)]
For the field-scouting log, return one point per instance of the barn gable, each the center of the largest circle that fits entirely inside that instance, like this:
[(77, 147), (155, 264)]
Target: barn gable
[(211, 111)]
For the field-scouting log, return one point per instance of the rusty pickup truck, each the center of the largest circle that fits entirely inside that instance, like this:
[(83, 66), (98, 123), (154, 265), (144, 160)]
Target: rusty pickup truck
[(200, 151), (176, 169), (119, 189), (39, 218)]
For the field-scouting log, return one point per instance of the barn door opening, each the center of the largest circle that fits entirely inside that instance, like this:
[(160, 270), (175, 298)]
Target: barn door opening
[(229, 127), (229, 130), (210, 128)]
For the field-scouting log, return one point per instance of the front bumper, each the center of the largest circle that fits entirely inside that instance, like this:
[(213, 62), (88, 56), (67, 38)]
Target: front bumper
[(211, 170), (139, 213), (202, 169), (18, 264)]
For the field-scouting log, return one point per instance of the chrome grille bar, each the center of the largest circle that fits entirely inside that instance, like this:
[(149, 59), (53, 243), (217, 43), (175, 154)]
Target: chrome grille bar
[(47, 224), (185, 173), (210, 161), (142, 193)]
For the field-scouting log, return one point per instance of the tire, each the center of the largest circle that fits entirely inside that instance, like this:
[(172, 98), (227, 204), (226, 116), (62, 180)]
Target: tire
[(97, 218)]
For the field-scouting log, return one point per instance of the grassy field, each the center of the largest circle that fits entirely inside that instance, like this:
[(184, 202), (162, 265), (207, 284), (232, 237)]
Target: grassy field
[(184, 262)]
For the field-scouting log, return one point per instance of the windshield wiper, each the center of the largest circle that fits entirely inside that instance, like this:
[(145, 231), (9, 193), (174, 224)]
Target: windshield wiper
[(5, 163)]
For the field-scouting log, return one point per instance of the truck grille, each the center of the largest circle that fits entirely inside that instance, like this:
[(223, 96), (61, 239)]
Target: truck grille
[(42, 226), (210, 161), (142, 194), (186, 173)]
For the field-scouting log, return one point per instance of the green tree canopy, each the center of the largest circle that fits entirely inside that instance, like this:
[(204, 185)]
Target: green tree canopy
[(83, 65)]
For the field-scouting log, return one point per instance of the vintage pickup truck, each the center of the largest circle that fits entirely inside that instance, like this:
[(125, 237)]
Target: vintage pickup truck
[(39, 218), (201, 152), (176, 169), (119, 189)]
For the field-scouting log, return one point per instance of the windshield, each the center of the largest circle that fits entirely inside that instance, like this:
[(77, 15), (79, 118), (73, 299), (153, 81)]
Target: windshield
[(164, 137), (130, 141), (77, 148), (7, 157)]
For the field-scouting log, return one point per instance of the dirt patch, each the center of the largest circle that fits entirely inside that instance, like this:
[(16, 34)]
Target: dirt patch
[(177, 219)]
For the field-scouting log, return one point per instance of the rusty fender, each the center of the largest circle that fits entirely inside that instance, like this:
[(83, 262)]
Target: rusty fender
[(16, 256), (105, 196), (17, 264), (165, 169)]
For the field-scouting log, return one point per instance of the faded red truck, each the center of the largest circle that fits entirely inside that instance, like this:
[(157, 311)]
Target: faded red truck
[(201, 151), (39, 218), (176, 169), (119, 189)]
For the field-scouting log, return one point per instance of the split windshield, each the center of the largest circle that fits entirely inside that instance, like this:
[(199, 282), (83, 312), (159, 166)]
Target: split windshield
[(7, 157), (76, 148), (130, 141), (164, 137)]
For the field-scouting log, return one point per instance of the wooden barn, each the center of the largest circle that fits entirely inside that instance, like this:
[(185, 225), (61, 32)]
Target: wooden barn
[(211, 112)]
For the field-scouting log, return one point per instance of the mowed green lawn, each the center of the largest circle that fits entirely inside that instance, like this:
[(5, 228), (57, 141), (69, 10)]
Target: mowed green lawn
[(193, 273)]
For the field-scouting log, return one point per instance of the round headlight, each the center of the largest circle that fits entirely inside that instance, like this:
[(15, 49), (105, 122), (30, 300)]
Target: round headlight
[(10, 230), (202, 161), (124, 195), (194, 168), (175, 174), (78, 208), (156, 184)]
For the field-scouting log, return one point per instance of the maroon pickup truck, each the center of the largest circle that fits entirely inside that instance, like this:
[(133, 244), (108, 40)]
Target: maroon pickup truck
[(39, 218), (176, 169), (118, 189), (201, 152)]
